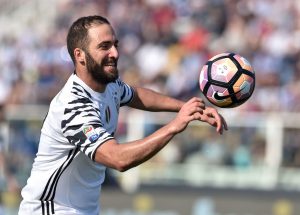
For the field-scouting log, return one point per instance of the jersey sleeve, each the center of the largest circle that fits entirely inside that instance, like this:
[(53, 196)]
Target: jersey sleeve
[(126, 92), (82, 126)]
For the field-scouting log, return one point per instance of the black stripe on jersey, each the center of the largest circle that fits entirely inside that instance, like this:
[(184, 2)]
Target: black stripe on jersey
[(46, 208), (93, 123), (132, 95), (77, 139), (89, 110), (74, 127), (76, 93), (80, 137), (81, 107), (75, 152), (72, 141), (77, 89), (86, 92), (118, 82), (84, 106), (99, 136), (124, 93), (45, 203), (66, 121), (81, 100), (83, 113), (47, 189), (92, 154), (50, 189), (92, 115)]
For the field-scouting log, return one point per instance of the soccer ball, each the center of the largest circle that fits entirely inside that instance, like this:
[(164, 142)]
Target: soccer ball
[(227, 80)]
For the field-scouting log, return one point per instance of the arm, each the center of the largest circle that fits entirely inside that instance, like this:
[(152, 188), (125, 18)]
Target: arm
[(146, 99), (127, 155), (150, 100)]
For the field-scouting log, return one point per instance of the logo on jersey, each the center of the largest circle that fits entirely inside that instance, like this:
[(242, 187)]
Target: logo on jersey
[(117, 103), (90, 133)]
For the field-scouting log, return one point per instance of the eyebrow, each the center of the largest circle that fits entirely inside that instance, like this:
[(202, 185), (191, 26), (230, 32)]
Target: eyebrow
[(108, 42)]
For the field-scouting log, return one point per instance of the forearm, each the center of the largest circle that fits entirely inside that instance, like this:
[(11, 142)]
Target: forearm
[(139, 151), (128, 155), (150, 100)]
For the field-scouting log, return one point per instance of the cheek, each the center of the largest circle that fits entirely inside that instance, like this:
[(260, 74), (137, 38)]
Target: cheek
[(100, 57)]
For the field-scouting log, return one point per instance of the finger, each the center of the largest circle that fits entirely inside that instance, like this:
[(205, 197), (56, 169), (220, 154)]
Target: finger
[(221, 119), (199, 110), (193, 110), (211, 121), (192, 100), (218, 120), (201, 104), (197, 100), (197, 116), (212, 117), (221, 123), (193, 107), (224, 123)]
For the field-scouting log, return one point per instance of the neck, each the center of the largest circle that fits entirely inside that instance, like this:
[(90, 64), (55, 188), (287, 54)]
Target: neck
[(88, 80)]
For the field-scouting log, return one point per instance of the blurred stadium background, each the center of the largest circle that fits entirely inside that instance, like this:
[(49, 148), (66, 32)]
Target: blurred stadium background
[(253, 169)]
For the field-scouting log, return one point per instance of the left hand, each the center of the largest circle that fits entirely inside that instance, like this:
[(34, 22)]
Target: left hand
[(212, 117)]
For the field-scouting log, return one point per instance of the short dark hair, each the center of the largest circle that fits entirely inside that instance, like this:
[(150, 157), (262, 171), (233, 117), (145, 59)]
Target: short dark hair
[(78, 33)]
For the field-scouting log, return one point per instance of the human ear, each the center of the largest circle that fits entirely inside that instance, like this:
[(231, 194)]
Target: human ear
[(79, 55)]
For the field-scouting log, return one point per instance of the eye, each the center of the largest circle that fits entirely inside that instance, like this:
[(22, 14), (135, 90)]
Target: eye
[(105, 45), (116, 44)]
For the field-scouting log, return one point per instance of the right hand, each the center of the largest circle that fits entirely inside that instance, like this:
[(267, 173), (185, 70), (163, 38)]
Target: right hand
[(188, 112)]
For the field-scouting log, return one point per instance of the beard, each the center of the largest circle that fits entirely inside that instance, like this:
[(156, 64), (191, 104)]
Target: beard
[(97, 70)]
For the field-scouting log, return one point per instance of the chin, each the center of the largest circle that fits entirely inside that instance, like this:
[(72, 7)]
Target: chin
[(113, 74), (110, 78), (111, 70)]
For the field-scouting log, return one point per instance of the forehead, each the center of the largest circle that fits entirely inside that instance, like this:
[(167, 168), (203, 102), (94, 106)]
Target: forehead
[(101, 32)]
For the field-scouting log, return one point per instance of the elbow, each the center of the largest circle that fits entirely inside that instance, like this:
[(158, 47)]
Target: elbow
[(123, 166), (115, 164), (122, 169), (115, 158)]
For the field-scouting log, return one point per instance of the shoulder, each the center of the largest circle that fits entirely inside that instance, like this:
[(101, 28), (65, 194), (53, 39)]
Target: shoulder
[(73, 92), (120, 84), (123, 91), (71, 98), (116, 84)]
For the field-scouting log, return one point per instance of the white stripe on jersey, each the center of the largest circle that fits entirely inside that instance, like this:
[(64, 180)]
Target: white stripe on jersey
[(64, 178)]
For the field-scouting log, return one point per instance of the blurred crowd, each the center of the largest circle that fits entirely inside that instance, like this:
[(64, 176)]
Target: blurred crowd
[(163, 45)]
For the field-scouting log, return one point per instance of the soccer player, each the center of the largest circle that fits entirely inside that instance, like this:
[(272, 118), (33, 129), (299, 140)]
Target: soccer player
[(77, 139)]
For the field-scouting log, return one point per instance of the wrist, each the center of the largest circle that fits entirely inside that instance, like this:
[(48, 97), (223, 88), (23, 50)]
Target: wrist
[(172, 129), (179, 105)]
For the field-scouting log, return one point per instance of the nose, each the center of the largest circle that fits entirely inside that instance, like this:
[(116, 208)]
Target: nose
[(113, 52)]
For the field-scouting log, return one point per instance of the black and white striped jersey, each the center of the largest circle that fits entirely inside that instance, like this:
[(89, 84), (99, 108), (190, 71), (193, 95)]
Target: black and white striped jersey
[(65, 179)]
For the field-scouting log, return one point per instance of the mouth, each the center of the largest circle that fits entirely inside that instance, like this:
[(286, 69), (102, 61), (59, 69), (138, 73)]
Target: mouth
[(111, 64), (111, 67)]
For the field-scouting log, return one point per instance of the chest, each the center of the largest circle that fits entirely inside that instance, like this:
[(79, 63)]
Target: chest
[(109, 111)]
